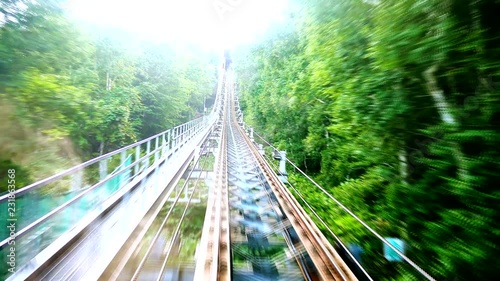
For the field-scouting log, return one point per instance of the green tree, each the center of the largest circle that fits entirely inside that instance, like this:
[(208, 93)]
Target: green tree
[(397, 100)]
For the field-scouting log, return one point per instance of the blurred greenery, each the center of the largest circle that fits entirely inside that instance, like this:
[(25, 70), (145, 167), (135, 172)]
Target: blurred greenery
[(393, 106), (68, 96)]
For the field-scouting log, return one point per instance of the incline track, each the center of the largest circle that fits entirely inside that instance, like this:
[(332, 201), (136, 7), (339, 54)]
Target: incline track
[(315, 258), (213, 261), (327, 262), (259, 236), (250, 219)]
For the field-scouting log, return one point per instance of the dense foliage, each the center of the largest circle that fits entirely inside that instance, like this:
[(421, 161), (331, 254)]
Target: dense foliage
[(67, 96), (394, 106)]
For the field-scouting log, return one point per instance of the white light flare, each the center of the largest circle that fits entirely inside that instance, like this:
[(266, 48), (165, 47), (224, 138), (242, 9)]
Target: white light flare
[(215, 24)]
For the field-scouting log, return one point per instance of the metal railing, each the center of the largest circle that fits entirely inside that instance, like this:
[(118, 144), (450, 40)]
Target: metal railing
[(47, 209), (378, 236)]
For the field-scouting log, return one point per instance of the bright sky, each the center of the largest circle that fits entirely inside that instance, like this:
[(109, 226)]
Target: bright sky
[(212, 23)]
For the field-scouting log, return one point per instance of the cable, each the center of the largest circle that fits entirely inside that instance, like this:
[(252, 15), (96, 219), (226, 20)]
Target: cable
[(157, 235), (408, 260), (327, 227)]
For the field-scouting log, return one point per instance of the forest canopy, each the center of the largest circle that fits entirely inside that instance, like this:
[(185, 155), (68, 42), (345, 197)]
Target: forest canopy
[(394, 107), (68, 95)]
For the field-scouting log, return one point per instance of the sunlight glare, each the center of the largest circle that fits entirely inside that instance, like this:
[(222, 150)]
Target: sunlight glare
[(210, 23)]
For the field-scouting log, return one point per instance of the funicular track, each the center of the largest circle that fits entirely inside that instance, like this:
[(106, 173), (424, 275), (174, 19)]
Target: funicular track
[(309, 255), (328, 265), (157, 241), (213, 260), (247, 203), (327, 262)]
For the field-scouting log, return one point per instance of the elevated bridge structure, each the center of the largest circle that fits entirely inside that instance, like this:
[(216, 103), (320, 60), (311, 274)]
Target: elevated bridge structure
[(200, 201)]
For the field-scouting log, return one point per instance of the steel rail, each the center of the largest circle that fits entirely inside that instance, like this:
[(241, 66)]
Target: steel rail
[(262, 180), (324, 224), (213, 260), (83, 165), (138, 270), (224, 264), (329, 264)]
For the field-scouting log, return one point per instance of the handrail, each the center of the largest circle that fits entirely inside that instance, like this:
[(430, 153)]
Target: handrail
[(364, 224), (79, 167), (70, 202)]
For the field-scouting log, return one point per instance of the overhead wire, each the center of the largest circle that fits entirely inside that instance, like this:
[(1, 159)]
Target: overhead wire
[(324, 224), (364, 224)]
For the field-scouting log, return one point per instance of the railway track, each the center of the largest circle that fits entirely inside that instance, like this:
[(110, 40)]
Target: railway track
[(213, 262), (314, 257), (251, 219), (152, 251)]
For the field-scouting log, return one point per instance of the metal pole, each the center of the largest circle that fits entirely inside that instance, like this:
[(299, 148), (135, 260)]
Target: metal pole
[(148, 149), (157, 141), (137, 157), (103, 169)]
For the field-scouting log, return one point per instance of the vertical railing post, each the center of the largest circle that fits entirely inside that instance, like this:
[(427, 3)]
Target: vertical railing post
[(76, 180), (123, 158), (186, 131), (163, 145), (282, 174), (183, 133), (156, 148), (179, 137), (169, 140), (137, 157), (148, 149), (174, 138)]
